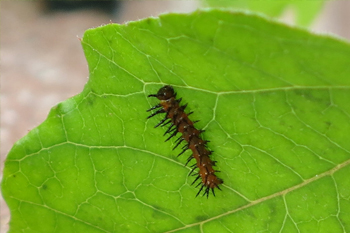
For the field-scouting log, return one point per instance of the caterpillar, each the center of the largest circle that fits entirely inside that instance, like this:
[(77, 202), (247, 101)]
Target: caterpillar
[(180, 123)]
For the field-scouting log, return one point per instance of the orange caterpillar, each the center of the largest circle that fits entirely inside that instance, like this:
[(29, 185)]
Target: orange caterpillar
[(179, 122)]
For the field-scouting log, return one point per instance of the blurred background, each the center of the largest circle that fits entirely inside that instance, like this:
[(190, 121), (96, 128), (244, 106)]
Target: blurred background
[(42, 62)]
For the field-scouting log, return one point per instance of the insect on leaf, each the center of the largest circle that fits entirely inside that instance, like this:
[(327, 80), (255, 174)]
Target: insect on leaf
[(273, 101)]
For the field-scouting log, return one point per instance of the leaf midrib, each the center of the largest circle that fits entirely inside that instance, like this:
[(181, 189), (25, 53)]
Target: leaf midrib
[(281, 193)]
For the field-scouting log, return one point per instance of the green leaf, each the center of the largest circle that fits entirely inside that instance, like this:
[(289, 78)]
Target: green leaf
[(305, 11), (274, 102)]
